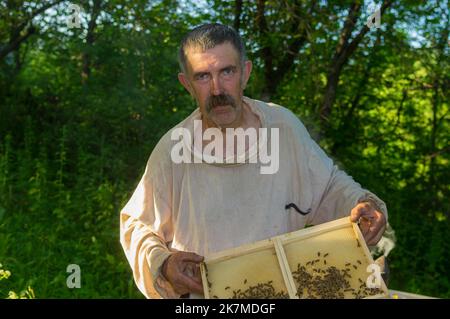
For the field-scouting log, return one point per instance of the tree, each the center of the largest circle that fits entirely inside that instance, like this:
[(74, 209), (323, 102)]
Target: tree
[(19, 22), (345, 48)]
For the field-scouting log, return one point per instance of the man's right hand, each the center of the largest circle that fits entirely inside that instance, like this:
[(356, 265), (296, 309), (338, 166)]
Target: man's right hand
[(182, 270)]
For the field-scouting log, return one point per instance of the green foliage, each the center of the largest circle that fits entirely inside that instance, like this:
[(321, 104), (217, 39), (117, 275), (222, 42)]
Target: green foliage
[(73, 147), (27, 293), (4, 274)]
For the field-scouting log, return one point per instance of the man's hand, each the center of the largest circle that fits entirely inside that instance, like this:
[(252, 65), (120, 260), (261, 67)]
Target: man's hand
[(371, 222), (182, 270)]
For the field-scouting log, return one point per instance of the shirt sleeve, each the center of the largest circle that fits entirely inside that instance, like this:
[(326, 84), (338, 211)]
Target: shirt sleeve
[(145, 231), (334, 192), (337, 192)]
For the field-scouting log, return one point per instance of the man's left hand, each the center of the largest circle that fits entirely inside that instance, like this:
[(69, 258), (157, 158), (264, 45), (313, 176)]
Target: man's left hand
[(371, 222)]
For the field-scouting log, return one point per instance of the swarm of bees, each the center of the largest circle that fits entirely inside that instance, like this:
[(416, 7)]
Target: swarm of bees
[(329, 283), (314, 280), (260, 291)]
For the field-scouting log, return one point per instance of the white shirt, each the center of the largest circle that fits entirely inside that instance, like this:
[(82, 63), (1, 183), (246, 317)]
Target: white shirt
[(205, 208)]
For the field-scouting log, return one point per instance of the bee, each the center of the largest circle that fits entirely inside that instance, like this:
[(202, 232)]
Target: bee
[(325, 255), (245, 281), (350, 289), (359, 262), (227, 287)]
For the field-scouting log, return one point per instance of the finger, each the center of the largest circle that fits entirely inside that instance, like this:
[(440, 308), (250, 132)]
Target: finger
[(376, 238), (191, 285), (197, 272), (181, 290), (364, 226), (355, 214), (377, 225), (192, 257), (192, 270), (184, 283), (376, 233), (362, 209), (188, 270)]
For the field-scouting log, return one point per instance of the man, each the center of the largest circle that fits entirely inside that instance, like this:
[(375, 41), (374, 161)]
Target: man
[(181, 211)]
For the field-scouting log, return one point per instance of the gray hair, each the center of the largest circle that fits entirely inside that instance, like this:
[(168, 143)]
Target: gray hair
[(206, 37)]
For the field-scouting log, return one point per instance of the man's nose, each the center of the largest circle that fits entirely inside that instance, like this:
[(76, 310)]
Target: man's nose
[(216, 85)]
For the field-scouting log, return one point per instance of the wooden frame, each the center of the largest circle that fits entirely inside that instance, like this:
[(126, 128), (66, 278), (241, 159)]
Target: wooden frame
[(396, 294), (280, 246), (268, 249)]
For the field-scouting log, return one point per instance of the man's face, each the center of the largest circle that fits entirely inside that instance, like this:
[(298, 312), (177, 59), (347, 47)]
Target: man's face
[(216, 80)]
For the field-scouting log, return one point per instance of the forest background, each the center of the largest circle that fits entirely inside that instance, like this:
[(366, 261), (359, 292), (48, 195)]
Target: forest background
[(82, 106)]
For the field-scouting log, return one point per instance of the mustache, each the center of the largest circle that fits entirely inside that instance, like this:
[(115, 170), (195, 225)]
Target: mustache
[(221, 99)]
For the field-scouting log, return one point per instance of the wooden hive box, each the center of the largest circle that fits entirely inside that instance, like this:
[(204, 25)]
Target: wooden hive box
[(301, 264)]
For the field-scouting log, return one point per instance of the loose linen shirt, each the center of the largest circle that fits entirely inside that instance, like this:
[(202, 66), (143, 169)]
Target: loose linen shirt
[(205, 208)]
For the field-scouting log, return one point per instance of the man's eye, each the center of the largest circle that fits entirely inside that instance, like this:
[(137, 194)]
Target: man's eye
[(202, 77), (228, 71)]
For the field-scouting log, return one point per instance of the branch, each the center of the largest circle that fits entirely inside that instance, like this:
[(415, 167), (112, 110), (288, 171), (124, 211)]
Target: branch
[(237, 14), (348, 50), (439, 121), (266, 51), (342, 53), (439, 152), (34, 14), (298, 28), (16, 35), (260, 17), (90, 39), (15, 43), (294, 47), (349, 25)]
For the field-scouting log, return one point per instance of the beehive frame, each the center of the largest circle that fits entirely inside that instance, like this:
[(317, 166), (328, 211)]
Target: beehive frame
[(229, 261)]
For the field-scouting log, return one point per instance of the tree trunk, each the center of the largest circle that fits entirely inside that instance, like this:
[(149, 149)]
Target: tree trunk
[(90, 39), (274, 72), (436, 103), (17, 36), (344, 49), (237, 14), (345, 123), (15, 42), (266, 52)]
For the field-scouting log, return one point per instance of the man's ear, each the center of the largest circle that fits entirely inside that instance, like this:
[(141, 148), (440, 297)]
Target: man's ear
[(185, 82), (246, 73)]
